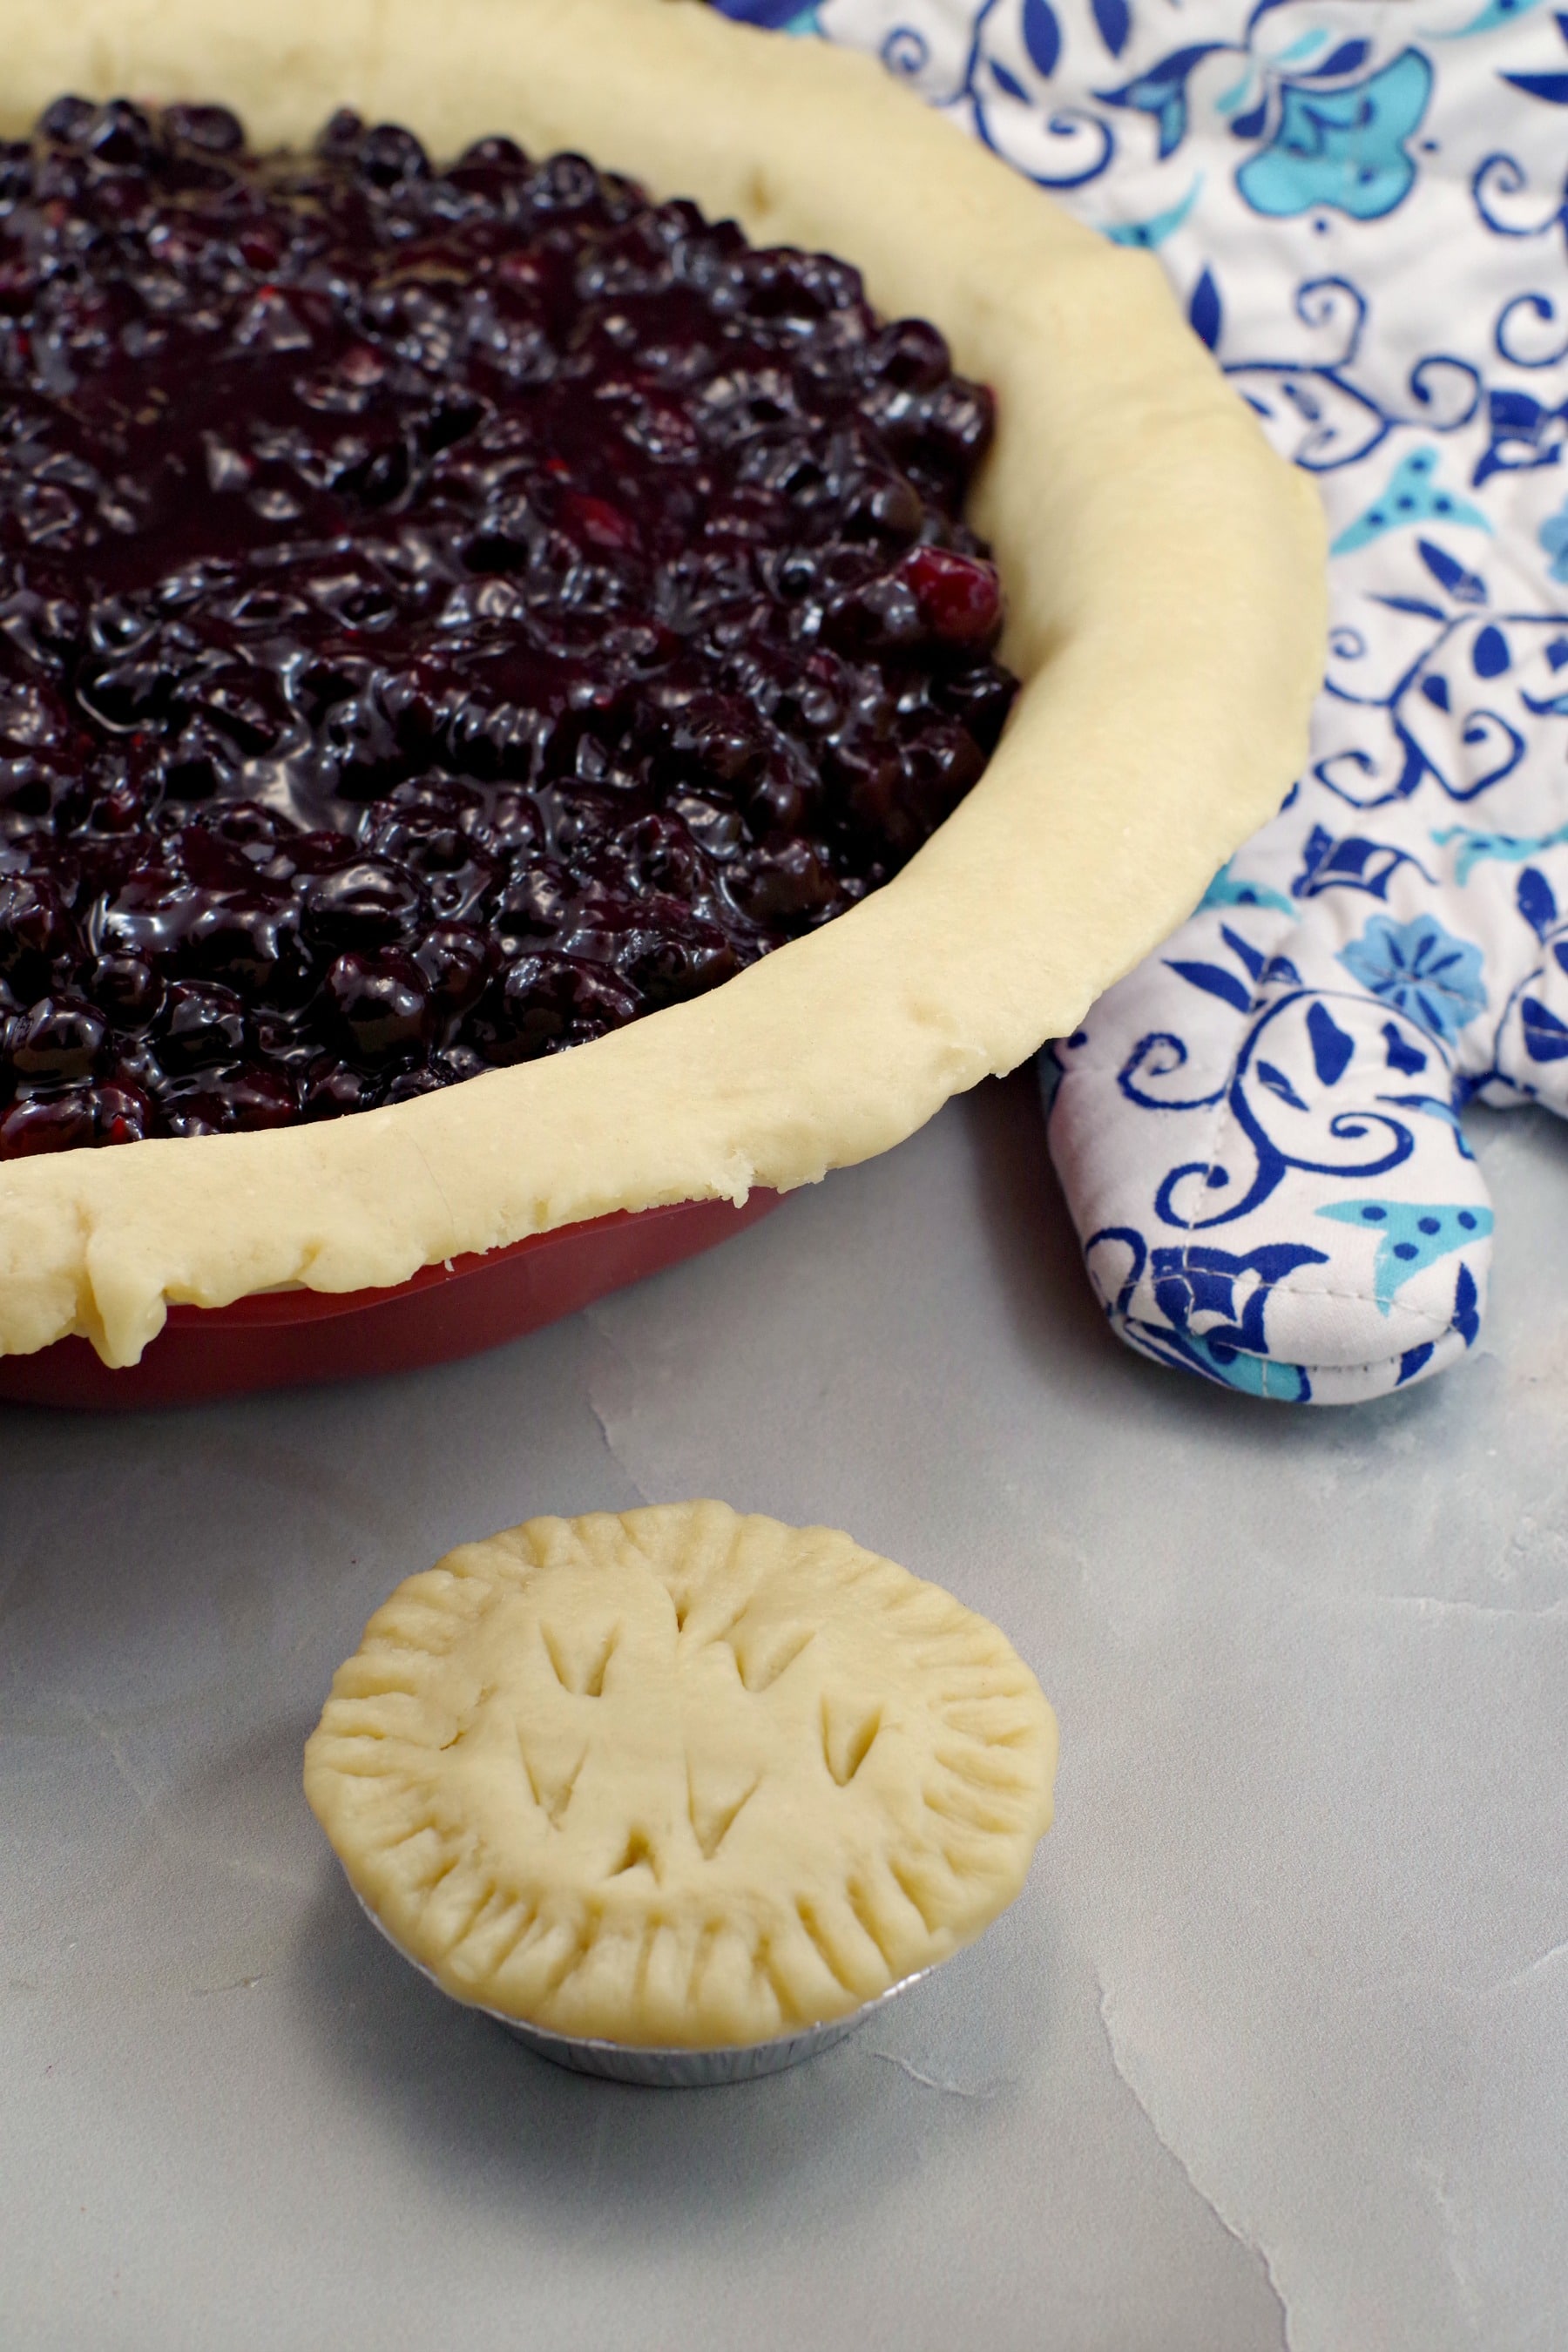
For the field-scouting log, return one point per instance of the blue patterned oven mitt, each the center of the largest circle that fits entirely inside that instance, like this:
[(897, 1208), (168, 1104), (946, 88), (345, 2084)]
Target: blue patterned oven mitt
[(1364, 210)]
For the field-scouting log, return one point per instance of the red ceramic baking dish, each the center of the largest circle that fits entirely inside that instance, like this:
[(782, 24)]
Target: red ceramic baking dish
[(280, 1338)]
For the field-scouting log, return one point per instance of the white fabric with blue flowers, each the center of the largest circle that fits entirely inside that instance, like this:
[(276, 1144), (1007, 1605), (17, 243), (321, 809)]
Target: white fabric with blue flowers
[(1362, 207)]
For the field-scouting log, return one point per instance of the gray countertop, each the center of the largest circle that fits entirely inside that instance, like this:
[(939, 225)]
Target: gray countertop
[(1273, 2050)]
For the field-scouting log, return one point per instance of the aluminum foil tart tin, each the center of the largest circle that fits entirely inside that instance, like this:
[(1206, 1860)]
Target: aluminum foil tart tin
[(667, 2069)]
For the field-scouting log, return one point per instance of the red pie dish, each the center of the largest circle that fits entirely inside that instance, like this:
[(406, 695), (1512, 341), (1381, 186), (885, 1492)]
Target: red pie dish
[(502, 716), (283, 1338)]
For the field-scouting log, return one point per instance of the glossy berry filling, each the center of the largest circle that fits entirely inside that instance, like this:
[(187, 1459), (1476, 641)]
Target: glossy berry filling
[(443, 616)]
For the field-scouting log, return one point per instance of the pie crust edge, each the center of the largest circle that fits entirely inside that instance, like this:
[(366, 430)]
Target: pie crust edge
[(1167, 613)]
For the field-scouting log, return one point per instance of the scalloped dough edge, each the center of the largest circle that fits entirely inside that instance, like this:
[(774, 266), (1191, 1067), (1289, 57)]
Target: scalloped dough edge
[(1166, 584)]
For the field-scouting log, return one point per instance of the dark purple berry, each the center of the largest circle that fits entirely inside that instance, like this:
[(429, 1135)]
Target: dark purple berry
[(200, 1026), (549, 1001), (381, 1006), (366, 904), (61, 1038), (77, 1116), (960, 598), (212, 129), (456, 963)]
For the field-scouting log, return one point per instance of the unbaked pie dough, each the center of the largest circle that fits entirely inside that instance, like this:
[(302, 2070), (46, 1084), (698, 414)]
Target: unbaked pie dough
[(1165, 581), (678, 1778)]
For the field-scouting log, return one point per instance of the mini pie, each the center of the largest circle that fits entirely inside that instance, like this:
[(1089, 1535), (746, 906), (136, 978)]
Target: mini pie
[(1165, 582), (678, 1778)]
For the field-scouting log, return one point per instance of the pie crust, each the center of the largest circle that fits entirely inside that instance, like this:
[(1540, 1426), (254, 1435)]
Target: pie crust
[(679, 1778), (1165, 579)]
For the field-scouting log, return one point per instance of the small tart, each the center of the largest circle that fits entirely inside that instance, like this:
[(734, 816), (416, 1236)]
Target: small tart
[(679, 1779), (1164, 574)]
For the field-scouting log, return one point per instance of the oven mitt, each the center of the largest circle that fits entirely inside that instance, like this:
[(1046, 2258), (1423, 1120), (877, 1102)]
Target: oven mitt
[(1363, 211)]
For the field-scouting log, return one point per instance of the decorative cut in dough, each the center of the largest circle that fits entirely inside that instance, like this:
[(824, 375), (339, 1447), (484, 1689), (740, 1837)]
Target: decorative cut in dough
[(1164, 573), (679, 1778)]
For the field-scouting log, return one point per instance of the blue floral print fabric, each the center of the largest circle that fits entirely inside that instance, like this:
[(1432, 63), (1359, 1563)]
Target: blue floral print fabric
[(1363, 211)]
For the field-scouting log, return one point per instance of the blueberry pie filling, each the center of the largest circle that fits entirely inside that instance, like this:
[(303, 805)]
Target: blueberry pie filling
[(443, 616)]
